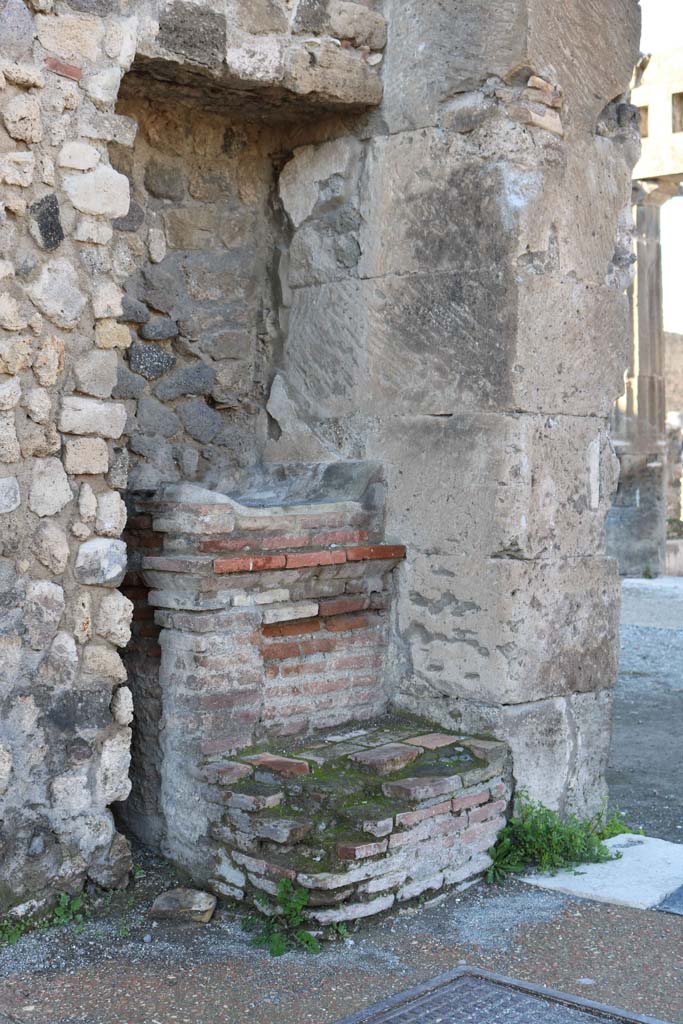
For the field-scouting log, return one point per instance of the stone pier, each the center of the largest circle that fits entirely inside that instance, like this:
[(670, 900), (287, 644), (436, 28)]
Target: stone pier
[(361, 263)]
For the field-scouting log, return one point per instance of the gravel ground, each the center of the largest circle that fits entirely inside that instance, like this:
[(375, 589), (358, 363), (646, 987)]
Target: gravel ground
[(209, 974), (122, 969)]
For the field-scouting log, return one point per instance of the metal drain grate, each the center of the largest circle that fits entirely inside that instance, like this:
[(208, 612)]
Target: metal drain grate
[(468, 996)]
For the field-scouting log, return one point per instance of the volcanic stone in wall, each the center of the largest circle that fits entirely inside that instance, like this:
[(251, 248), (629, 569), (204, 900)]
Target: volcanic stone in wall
[(46, 227)]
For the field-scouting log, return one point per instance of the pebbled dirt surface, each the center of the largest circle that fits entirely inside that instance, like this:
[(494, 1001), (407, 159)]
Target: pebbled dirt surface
[(120, 969)]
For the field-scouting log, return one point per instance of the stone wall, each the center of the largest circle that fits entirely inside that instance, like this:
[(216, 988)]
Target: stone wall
[(307, 252), (131, 336)]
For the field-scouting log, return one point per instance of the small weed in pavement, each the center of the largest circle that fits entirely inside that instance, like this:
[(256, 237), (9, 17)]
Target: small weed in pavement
[(536, 837), (68, 911), (281, 926)]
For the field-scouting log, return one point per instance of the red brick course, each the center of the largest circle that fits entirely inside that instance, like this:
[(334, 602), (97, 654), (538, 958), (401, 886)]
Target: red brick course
[(295, 628), (344, 605), (340, 623), (373, 551), (65, 70), (463, 803), (311, 558), (255, 563)]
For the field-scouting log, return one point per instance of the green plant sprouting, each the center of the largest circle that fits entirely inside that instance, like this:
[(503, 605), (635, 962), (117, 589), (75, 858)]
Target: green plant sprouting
[(67, 911), (280, 926), (537, 837)]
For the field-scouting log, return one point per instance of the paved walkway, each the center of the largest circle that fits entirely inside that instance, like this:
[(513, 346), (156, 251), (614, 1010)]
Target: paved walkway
[(122, 970), (646, 764)]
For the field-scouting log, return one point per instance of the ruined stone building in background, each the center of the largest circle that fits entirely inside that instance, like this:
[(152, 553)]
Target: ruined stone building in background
[(647, 419), (315, 311)]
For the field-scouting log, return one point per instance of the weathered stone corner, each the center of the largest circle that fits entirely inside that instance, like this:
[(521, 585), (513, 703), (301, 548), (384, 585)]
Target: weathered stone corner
[(311, 318)]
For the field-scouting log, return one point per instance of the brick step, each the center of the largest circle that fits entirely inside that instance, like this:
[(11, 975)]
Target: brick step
[(363, 817)]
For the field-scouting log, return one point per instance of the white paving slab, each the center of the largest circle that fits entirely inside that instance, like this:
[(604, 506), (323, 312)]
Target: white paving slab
[(647, 872)]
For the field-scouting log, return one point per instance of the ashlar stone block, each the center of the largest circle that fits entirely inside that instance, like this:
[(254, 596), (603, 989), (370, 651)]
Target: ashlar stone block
[(499, 632), (89, 416)]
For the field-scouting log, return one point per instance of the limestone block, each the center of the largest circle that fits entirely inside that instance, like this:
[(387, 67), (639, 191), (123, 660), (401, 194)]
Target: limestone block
[(87, 503), (10, 495), (101, 192), (554, 317), (156, 243), (90, 229), (410, 178), (37, 403), (70, 793), (26, 76), (184, 905), (57, 294), (43, 610), (107, 302), (107, 127), (17, 169), (258, 17), (590, 717), (74, 37), (355, 22), (111, 514), (10, 393), (336, 77), (122, 706), (510, 630), (114, 618), (12, 316), (61, 666), (101, 562), (103, 87), (52, 547), (547, 483), (48, 360), (50, 490), (78, 156), (38, 441), (17, 30), (90, 416), (86, 456), (112, 773), (103, 662), (439, 52), (315, 169), (121, 41), (111, 866), (9, 443), (436, 53), (22, 118), (96, 373), (110, 334), (551, 742), (403, 341)]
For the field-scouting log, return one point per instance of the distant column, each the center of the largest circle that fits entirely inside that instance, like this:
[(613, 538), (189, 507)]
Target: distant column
[(636, 527)]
